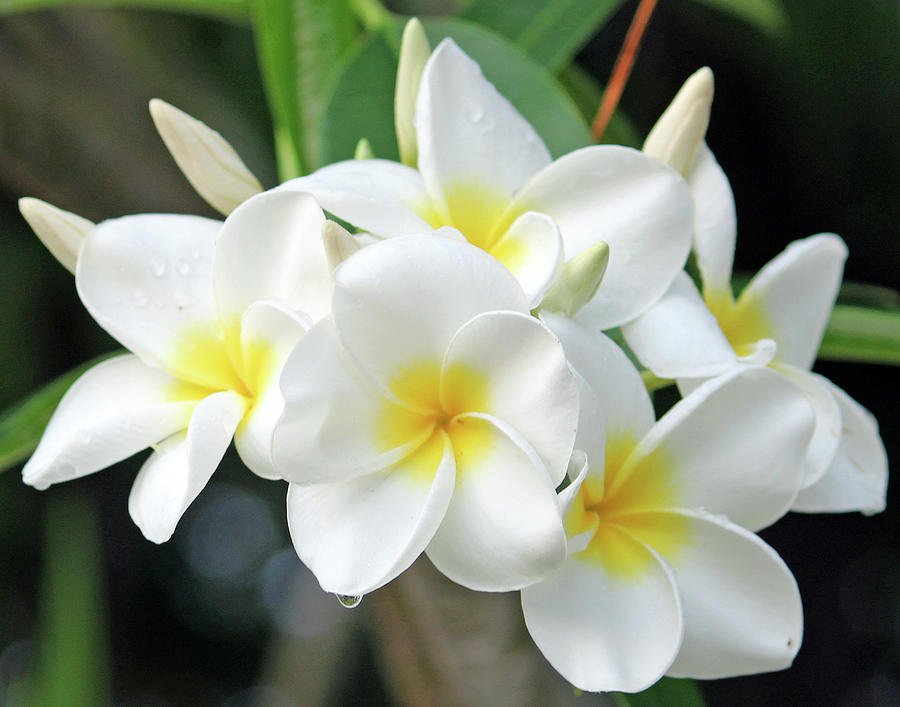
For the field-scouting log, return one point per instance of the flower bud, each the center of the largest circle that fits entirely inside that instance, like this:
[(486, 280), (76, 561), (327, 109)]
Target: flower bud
[(577, 281), (61, 231), (414, 52)]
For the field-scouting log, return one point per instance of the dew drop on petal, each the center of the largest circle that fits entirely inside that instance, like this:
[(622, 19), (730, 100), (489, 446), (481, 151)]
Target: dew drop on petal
[(159, 267), (183, 267), (348, 601), (474, 112), (139, 299)]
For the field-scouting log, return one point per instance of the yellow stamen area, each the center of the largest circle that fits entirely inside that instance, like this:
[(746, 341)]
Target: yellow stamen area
[(633, 488), (743, 322), (434, 402), (479, 211)]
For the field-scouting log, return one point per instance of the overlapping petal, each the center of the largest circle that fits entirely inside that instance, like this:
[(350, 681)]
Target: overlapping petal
[(603, 631), (358, 535), (114, 410), (532, 249), (271, 247), (679, 337), (715, 220), (398, 303), (470, 138), (858, 475), (742, 611), (530, 386), (147, 280), (182, 465), (379, 196), (502, 529), (637, 205), (734, 446), (332, 425), (795, 293)]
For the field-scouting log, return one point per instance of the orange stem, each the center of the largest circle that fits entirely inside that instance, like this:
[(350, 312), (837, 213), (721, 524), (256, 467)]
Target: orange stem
[(622, 69)]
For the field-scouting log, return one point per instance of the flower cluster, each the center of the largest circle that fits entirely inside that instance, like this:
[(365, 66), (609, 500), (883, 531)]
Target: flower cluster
[(440, 382)]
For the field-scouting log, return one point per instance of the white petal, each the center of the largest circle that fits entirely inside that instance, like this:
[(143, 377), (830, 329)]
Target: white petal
[(626, 409), (529, 385), (182, 465), (358, 535), (334, 424), (414, 52), (735, 446), (532, 249), (271, 248), (399, 302), (742, 611), (503, 528), (678, 336), (715, 221), (637, 205), (61, 231), (857, 478), (378, 196), (115, 409), (469, 135), (269, 333), (210, 164), (795, 293), (147, 280), (602, 631), (827, 434)]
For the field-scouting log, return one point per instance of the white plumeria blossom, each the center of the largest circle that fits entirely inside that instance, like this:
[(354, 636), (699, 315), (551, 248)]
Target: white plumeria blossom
[(778, 320), (664, 574), (484, 170), (429, 412), (210, 311)]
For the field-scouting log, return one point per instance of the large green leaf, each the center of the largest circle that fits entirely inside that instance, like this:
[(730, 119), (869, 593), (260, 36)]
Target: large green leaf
[(766, 15), (299, 43), (362, 102), (22, 424), (226, 9), (550, 31), (668, 692)]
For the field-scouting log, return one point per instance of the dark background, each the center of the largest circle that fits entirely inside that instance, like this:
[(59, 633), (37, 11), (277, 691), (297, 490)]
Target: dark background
[(805, 125)]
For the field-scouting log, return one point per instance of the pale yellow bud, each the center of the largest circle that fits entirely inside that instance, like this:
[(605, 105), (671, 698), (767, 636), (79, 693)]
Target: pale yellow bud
[(680, 130), (61, 231), (364, 150), (577, 281), (339, 244), (210, 164), (414, 52)]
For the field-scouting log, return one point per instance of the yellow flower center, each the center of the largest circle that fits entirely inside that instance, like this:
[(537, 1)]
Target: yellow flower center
[(620, 509), (434, 402), (743, 322)]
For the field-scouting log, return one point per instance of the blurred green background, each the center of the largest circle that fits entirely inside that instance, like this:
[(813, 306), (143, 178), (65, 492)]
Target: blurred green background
[(805, 124)]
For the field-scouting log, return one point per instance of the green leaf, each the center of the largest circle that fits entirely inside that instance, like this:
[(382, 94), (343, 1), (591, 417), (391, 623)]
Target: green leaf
[(362, 101), (550, 31), (586, 93), (222, 9), (299, 42), (22, 424), (73, 664), (863, 335), (766, 15), (668, 692)]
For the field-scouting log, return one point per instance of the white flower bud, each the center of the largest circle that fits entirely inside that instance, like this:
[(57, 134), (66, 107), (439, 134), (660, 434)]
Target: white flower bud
[(414, 52), (577, 281), (339, 244), (61, 231)]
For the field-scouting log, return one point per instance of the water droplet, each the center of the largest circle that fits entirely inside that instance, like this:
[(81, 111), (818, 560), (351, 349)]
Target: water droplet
[(86, 440), (348, 601), (196, 254), (183, 267), (159, 267), (139, 299), (475, 113)]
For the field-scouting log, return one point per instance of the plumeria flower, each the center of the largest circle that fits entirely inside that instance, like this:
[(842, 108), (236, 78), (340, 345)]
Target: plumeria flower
[(664, 574), (778, 320), (482, 169), (210, 312), (429, 412)]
